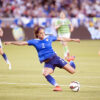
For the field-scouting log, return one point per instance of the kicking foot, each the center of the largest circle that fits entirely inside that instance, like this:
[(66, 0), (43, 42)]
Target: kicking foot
[(71, 58), (57, 88)]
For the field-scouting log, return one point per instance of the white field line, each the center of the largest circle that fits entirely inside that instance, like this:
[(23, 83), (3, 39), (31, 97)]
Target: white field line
[(59, 76), (39, 84), (90, 77)]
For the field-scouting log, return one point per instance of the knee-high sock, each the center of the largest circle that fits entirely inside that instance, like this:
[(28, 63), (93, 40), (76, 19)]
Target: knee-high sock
[(66, 51), (51, 80), (72, 64), (5, 57), (7, 61)]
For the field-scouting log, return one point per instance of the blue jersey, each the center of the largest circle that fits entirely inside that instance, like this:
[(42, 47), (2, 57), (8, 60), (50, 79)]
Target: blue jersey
[(43, 47)]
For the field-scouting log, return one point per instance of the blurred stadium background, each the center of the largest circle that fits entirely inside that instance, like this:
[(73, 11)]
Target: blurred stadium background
[(25, 80), (84, 15)]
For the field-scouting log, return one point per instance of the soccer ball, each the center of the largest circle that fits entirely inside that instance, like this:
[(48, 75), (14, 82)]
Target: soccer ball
[(75, 86)]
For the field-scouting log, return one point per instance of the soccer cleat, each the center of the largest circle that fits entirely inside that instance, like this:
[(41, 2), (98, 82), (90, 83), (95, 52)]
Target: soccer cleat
[(57, 88), (71, 58), (9, 66), (8, 62)]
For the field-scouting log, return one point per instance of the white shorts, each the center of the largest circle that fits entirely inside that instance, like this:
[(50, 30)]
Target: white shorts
[(0, 44), (66, 35)]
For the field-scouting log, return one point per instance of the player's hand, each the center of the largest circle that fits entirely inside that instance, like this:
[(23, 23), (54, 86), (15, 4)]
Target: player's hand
[(77, 40), (7, 43)]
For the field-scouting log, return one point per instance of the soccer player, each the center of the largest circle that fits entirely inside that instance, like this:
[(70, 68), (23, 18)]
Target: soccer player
[(1, 51), (64, 29), (47, 55)]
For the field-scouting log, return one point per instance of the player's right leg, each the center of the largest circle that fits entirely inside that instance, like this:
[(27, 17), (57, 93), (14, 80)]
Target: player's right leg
[(5, 57), (46, 72)]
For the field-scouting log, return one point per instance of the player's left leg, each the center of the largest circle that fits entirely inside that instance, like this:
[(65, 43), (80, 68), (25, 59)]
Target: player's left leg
[(5, 57), (46, 72), (50, 79)]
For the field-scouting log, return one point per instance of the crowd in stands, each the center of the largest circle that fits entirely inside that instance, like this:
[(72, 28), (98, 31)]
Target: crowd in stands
[(49, 8), (28, 13)]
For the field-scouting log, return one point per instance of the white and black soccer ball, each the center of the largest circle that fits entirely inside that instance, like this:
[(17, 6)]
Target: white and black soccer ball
[(74, 86)]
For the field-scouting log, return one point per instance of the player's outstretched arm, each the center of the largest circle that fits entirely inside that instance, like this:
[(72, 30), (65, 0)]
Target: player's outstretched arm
[(16, 43), (67, 39)]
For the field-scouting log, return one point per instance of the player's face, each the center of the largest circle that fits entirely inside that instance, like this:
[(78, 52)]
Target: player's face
[(41, 34), (62, 15)]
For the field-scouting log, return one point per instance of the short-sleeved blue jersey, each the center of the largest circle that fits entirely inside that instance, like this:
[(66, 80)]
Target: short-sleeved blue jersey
[(43, 47)]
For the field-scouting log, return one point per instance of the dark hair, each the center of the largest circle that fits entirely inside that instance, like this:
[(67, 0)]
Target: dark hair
[(37, 28)]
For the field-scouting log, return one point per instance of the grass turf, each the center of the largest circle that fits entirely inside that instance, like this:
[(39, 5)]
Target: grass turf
[(25, 80)]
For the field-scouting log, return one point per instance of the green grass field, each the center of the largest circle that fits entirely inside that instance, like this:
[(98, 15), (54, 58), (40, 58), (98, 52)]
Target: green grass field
[(25, 80)]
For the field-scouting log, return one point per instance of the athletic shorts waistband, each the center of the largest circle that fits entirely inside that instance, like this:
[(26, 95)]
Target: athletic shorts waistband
[(49, 59)]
